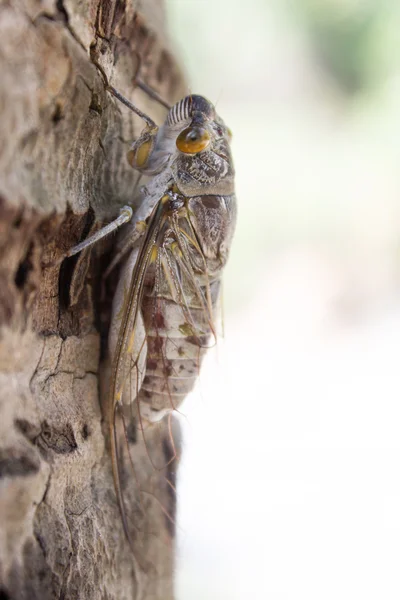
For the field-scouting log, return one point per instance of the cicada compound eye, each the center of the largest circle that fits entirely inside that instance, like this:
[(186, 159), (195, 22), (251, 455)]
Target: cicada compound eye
[(193, 140)]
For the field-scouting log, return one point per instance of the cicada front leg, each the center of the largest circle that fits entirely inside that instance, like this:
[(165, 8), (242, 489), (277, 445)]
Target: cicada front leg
[(124, 217), (142, 149), (138, 157)]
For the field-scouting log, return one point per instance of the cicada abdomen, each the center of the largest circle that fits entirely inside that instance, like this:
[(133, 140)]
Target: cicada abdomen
[(164, 309)]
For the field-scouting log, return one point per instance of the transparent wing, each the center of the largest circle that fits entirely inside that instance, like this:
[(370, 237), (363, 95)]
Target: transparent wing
[(167, 324), (128, 355)]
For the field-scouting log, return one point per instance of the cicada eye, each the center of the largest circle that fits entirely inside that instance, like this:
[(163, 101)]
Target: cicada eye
[(139, 154), (193, 140)]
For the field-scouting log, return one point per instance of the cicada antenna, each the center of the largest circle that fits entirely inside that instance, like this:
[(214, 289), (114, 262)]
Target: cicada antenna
[(221, 91), (148, 90)]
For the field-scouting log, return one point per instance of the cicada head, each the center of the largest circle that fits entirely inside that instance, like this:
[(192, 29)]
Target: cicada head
[(202, 161), (194, 144)]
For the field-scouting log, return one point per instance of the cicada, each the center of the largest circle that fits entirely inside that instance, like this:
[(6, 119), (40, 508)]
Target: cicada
[(163, 316)]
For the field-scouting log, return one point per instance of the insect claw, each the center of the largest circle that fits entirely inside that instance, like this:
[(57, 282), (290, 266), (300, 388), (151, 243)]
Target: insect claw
[(127, 212)]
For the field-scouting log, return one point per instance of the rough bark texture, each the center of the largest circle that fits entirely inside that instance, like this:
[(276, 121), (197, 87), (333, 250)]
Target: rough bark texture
[(62, 173)]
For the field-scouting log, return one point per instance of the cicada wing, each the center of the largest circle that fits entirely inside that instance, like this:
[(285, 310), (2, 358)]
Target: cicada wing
[(199, 291), (134, 360), (163, 323), (128, 349)]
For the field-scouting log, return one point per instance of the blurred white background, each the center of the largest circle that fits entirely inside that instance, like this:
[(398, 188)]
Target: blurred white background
[(290, 479)]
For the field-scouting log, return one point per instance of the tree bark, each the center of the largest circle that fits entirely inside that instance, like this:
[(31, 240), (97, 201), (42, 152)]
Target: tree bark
[(62, 173)]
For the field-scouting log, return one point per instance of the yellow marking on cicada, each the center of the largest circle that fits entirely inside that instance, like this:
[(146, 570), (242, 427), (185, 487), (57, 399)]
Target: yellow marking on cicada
[(121, 311), (143, 153), (139, 154), (153, 254), (175, 249), (191, 240), (131, 343), (188, 330), (140, 226), (182, 213)]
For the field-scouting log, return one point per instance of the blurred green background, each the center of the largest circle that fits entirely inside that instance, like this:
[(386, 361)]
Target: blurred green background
[(311, 91)]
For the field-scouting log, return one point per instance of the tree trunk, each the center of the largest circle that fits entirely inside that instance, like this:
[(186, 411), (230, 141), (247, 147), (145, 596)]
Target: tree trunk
[(63, 172)]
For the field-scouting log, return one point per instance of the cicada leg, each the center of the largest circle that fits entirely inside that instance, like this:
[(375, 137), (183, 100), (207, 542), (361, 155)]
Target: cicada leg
[(124, 217), (127, 245), (148, 120), (138, 82), (139, 156)]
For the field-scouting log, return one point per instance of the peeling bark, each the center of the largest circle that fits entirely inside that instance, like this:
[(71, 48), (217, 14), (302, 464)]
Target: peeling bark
[(63, 172)]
